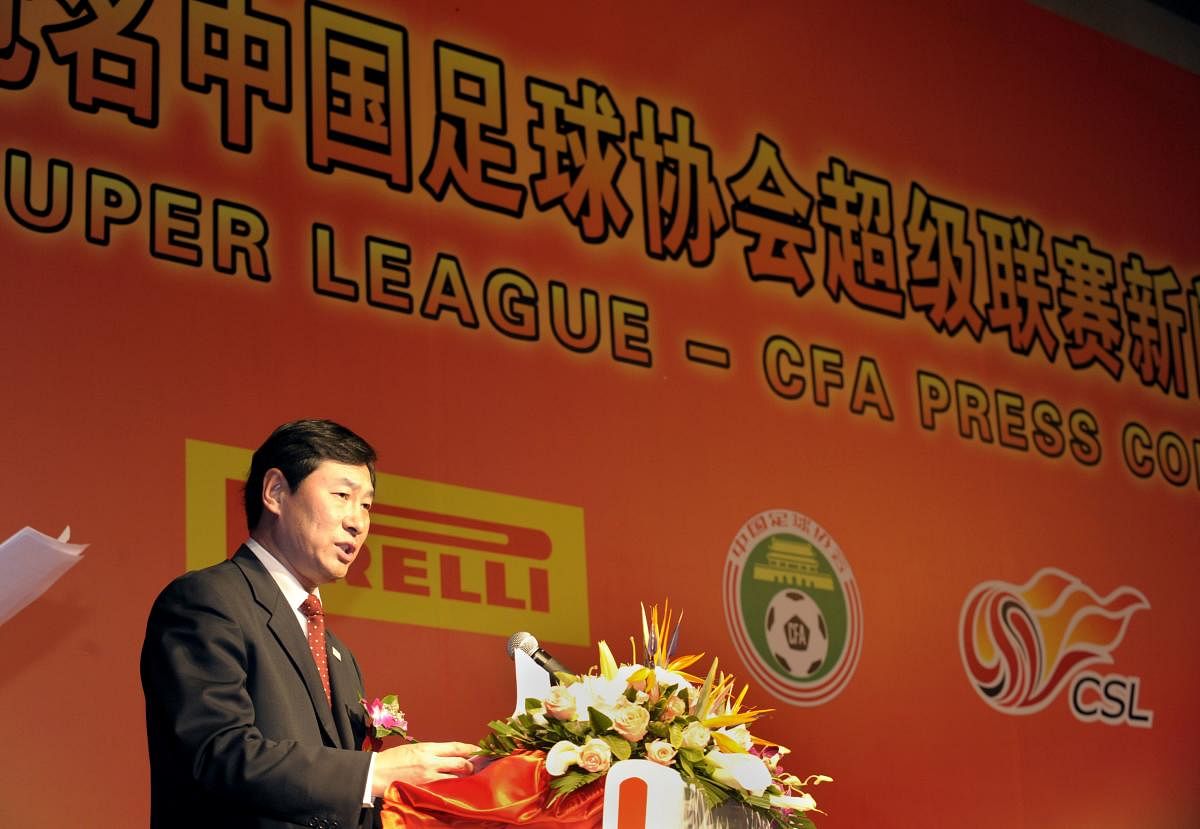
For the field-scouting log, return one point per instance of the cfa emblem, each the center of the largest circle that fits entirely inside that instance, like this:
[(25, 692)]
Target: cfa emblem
[(792, 607), (1022, 644)]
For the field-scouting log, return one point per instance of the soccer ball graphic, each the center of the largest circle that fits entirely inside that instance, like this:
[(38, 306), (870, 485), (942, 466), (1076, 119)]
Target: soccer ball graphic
[(796, 632)]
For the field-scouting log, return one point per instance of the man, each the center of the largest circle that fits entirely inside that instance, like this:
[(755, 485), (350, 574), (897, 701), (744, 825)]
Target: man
[(245, 728)]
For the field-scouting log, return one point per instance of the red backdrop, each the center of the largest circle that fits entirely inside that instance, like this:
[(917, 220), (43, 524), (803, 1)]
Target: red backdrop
[(925, 276)]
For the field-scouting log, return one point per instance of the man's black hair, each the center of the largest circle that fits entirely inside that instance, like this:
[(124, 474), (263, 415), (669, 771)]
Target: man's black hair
[(296, 449)]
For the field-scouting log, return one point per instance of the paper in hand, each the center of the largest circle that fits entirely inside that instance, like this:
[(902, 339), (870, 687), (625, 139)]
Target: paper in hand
[(30, 562)]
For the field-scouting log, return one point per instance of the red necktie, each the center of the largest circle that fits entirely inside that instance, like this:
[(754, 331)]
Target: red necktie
[(311, 607)]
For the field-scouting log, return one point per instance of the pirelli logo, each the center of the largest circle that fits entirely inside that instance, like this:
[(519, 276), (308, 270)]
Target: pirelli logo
[(438, 555)]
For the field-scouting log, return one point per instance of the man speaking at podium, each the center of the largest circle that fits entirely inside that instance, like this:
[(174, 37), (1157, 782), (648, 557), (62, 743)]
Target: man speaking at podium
[(253, 711)]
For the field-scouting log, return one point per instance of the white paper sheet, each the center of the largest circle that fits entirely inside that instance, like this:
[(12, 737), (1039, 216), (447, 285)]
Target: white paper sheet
[(30, 562)]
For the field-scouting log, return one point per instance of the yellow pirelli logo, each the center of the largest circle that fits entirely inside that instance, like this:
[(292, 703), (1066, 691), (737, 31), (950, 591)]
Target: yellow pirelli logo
[(438, 555)]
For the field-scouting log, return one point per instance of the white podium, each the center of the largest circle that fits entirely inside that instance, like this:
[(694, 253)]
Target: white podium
[(639, 794)]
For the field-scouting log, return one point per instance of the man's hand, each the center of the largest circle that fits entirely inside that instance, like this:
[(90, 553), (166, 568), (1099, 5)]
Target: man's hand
[(421, 763)]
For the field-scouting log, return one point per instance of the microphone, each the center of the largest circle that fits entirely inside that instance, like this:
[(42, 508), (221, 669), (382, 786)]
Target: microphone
[(528, 644)]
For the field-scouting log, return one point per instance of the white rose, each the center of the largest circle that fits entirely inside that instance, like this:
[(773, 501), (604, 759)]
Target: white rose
[(674, 707), (694, 736), (595, 755), (742, 771), (596, 692), (630, 720), (560, 704), (561, 757), (661, 752)]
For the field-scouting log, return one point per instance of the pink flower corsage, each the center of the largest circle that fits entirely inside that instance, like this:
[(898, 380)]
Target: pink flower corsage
[(386, 720)]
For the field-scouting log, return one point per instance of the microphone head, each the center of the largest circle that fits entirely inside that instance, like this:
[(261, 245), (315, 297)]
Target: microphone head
[(521, 640)]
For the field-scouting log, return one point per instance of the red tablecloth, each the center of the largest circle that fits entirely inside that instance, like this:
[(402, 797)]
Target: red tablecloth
[(510, 791)]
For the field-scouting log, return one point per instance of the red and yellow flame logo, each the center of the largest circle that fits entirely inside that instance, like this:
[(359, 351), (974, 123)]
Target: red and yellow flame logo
[(1022, 643)]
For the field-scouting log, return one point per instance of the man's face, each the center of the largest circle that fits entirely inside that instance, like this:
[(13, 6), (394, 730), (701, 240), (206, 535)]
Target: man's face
[(323, 524)]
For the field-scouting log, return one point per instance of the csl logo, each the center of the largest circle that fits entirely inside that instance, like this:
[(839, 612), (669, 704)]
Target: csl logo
[(1022, 644), (437, 555), (792, 607)]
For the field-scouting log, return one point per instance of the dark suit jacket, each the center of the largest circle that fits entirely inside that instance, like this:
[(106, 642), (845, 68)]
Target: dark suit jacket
[(239, 731)]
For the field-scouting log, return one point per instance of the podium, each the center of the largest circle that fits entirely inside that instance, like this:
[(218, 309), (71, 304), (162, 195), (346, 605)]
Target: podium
[(639, 794)]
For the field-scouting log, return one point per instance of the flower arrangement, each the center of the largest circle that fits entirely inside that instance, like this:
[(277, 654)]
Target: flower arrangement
[(653, 710), (386, 719)]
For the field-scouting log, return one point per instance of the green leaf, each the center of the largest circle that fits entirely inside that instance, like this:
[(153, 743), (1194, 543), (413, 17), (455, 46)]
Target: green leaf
[(490, 749), (717, 789), (504, 728), (704, 690), (714, 793), (685, 768), (569, 782), (495, 746), (621, 748), (532, 704), (579, 729), (760, 802), (600, 723)]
